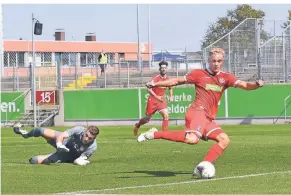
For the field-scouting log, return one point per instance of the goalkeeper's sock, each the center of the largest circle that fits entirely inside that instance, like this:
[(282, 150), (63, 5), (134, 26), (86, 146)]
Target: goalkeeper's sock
[(36, 132), (177, 136), (165, 125), (214, 152)]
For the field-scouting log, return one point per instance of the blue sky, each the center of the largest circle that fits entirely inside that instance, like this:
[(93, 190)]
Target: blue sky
[(173, 27)]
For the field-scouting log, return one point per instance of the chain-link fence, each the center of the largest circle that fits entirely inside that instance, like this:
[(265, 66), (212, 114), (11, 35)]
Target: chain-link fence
[(46, 78), (72, 70), (240, 47), (287, 53), (273, 58), (256, 48), (16, 79)]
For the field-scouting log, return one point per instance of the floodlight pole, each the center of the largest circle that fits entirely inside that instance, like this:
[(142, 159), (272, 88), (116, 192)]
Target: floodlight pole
[(33, 90), (149, 36), (1, 41), (138, 40)]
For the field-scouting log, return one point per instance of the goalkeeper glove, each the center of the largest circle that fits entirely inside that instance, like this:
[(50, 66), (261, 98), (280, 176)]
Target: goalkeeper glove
[(82, 160), (62, 148)]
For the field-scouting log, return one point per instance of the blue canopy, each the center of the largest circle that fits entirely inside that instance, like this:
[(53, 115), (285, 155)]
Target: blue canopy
[(167, 57)]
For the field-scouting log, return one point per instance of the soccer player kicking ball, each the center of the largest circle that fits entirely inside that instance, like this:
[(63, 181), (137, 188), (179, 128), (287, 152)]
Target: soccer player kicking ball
[(209, 84), (157, 100), (74, 145)]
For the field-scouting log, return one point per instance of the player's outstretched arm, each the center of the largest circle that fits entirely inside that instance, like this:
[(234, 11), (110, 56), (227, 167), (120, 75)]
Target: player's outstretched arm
[(59, 141), (60, 138), (150, 91), (68, 133), (246, 85), (167, 83), (83, 159)]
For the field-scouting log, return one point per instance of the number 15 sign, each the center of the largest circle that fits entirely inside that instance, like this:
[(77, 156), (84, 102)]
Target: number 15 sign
[(45, 97)]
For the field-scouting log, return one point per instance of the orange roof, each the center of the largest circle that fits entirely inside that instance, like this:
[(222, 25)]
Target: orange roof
[(73, 46)]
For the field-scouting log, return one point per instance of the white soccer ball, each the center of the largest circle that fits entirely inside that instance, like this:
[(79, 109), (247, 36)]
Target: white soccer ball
[(205, 170)]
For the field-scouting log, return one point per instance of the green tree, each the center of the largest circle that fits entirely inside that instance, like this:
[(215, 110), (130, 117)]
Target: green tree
[(286, 24), (234, 17)]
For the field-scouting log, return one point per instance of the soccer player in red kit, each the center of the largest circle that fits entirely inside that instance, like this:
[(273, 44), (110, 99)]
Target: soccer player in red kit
[(157, 100), (209, 84)]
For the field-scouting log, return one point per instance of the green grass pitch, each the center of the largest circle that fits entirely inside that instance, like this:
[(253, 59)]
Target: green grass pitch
[(258, 161)]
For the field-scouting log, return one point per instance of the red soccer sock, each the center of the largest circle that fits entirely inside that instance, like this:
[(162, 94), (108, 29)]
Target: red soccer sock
[(165, 125), (214, 152), (178, 136)]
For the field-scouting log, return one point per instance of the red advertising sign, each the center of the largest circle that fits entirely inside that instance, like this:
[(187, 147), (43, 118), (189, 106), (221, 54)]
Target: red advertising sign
[(45, 97)]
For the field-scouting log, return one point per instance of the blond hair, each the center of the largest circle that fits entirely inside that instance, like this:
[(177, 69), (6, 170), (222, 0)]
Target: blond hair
[(216, 51)]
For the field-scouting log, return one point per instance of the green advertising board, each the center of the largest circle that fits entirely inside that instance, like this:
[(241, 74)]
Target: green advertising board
[(124, 104), (131, 103), (10, 109), (101, 104), (263, 102), (182, 99)]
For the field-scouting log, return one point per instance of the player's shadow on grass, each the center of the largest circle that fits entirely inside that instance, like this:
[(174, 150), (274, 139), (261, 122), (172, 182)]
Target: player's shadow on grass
[(29, 164), (16, 163), (156, 174), (247, 120)]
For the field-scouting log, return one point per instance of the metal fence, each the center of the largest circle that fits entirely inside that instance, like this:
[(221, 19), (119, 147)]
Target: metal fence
[(71, 71), (287, 53), (257, 48), (254, 49)]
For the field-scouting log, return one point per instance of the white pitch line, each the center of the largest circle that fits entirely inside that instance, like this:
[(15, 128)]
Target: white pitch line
[(174, 183), (176, 194)]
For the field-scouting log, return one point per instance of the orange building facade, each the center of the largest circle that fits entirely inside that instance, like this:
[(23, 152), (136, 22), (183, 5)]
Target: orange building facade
[(18, 53)]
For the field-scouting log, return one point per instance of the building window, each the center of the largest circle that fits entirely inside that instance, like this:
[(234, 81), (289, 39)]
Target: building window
[(91, 58), (66, 58), (6, 59), (88, 59), (121, 56), (13, 59), (72, 59), (46, 58), (83, 57), (20, 59)]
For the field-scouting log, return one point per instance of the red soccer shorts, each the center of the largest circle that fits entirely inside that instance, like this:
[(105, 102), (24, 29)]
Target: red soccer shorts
[(197, 121), (154, 105)]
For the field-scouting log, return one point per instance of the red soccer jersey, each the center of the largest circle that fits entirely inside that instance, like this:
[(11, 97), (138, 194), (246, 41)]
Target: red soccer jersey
[(160, 91), (209, 89)]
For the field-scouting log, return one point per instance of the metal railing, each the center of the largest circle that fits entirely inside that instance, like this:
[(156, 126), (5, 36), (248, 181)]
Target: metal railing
[(285, 106), (117, 74)]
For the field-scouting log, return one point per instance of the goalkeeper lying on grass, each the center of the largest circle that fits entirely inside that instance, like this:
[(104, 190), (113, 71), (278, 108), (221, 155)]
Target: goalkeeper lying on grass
[(74, 145)]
